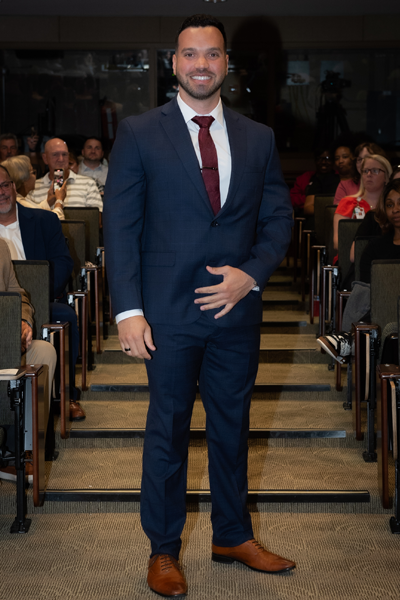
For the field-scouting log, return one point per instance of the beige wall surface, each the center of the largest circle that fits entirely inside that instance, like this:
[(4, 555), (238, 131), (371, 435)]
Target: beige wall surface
[(103, 32)]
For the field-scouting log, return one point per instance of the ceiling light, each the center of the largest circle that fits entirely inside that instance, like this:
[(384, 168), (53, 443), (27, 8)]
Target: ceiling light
[(214, 1)]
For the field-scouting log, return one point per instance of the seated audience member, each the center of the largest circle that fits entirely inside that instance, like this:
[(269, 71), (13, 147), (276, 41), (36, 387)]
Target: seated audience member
[(324, 181), (33, 147), (73, 162), (92, 165), (8, 146), (37, 235), (348, 187), (24, 177), (375, 173), (396, 173), (80, 191), (387, 247), (324, 164), (32, 351)]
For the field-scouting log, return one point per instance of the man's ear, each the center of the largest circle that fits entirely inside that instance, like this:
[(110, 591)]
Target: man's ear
[(44, 158), (174, 63)]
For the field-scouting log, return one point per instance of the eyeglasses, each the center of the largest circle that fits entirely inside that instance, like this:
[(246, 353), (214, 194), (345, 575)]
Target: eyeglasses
[(4, 187), (373, 171)]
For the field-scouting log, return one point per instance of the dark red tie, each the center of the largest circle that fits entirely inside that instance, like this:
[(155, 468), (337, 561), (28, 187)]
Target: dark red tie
[(209, 160)]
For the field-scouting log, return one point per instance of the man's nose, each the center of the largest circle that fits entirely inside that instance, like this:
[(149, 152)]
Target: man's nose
[(202, 62)]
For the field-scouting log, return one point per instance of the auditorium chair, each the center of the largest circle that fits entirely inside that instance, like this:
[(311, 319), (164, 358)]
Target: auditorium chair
[(74, 232), (388, 432), (369, 339), (34, 277), (23, 400)]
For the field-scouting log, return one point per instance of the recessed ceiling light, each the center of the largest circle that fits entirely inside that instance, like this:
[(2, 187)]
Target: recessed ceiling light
[(214, 1)]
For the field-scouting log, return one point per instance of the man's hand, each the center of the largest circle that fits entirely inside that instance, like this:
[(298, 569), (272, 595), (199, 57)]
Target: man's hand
[(58, 195), (135, 333), (235, 286), (26, 336)]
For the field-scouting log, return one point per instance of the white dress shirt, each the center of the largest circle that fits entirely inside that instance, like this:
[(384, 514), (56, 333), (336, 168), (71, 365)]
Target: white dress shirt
[(11, 234), (219, 135)]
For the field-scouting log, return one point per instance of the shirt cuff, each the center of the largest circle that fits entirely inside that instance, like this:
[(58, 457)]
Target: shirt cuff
[(137, 312)]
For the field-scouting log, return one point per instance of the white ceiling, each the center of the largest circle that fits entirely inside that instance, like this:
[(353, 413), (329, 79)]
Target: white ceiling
[(170, 8)]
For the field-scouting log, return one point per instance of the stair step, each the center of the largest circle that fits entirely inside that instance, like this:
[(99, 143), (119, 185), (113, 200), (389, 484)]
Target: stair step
[(279, 377), (272, 414), (271, 469)]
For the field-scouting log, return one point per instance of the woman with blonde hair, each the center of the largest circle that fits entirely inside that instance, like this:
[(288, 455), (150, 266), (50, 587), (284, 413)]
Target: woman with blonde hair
[(24, 178), (375, 173)]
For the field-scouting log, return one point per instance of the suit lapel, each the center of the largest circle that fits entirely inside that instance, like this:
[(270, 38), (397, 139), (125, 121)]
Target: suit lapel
[(176, 129), (237, 144), (27, 228)]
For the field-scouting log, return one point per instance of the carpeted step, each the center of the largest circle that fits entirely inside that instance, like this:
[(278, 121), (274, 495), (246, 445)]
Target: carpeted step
[(274, 348), (280, 377), (287, 422), (270, 468)]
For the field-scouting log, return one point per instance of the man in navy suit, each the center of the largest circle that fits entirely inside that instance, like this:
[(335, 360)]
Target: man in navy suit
[(35, 234), (186, 276)]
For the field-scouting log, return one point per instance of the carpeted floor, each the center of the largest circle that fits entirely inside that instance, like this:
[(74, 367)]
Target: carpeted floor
[(104, 557)]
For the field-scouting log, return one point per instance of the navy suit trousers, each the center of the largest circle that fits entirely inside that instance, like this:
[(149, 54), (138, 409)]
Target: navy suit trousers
[(224, 361)]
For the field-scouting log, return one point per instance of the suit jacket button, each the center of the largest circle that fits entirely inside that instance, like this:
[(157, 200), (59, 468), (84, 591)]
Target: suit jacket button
[(214, 224)]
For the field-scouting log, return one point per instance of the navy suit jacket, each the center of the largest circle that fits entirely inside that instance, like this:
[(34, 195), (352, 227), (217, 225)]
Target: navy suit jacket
[(159, 228), (43, 239)]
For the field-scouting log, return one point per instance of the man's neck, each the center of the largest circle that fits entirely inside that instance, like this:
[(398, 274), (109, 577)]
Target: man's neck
[(9, 218), (91, 164), (201, 107)]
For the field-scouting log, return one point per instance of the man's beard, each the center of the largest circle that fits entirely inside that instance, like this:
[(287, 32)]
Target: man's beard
[(6, 206), (197, 93)]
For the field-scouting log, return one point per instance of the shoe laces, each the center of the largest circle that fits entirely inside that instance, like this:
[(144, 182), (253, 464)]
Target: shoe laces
[(166, 562), (257, 545)]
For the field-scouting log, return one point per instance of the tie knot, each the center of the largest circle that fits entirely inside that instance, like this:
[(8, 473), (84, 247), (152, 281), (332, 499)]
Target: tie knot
[(203, 122)]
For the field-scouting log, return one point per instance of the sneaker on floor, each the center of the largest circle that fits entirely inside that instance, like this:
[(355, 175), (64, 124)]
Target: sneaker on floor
[(338, 345), (10, 473)]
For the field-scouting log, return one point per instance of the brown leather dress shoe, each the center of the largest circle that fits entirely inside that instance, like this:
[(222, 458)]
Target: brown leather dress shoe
[(165, 576), (76, 412), (253, 555)]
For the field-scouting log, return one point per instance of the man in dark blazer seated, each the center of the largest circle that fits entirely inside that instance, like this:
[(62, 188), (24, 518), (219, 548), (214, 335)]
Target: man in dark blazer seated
[(35, 234), (196, 219)]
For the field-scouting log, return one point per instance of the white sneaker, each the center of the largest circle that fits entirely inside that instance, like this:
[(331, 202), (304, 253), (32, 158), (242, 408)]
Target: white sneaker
[(10, 473), (338, 345)]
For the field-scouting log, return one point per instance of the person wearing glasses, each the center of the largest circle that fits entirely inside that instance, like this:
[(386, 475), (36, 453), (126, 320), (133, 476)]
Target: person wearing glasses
[(375, 173), (348, 187), (386, 247), (24, 176)]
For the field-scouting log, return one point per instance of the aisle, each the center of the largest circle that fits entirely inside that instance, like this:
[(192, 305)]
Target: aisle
[(312, 496)]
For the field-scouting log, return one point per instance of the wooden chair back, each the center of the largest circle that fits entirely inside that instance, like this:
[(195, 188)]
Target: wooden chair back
[(346, 233), (75, 232), (320, 203), (34, 277), (90, 215)]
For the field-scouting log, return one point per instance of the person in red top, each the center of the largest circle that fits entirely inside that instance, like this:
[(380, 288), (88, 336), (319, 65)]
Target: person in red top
[(375, 173), (324, 164), (348, 187)]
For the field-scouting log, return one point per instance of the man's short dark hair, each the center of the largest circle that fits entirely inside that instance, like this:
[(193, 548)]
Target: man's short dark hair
[(201, 20), (93, 137), (8, 136)]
